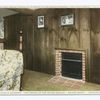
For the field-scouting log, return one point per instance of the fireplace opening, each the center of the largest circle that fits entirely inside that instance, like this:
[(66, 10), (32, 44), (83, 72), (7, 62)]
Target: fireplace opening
[(71, 65)]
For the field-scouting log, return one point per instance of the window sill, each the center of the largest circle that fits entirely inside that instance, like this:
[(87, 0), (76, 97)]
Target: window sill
[(2, 40)]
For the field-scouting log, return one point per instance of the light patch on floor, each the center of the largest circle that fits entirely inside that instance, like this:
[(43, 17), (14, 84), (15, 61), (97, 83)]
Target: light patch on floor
[(76, 84)]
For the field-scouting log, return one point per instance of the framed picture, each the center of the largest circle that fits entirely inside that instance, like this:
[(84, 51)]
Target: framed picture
[(67, 20), (40, 21)]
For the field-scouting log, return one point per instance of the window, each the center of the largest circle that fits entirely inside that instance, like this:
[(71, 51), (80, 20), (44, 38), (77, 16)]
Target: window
[(1, 28)]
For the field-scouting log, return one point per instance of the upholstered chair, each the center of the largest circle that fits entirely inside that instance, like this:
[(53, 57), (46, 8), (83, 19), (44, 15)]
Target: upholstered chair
[(11, 69)]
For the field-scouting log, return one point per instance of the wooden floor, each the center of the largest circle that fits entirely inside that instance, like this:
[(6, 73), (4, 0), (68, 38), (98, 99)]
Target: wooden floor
[(35, 81)]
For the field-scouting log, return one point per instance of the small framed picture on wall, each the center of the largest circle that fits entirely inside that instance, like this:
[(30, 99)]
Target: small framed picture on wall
[(67, 20), (40, 22)]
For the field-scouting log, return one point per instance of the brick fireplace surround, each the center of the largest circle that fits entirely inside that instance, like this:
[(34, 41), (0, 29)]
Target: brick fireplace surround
[(58, 63)]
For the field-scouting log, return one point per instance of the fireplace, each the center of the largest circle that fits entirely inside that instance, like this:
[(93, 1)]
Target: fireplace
[(70, 64)]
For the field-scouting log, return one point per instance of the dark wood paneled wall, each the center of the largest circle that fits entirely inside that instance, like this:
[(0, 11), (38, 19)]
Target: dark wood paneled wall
[(95, 45), (11, 32), (28, 41), (53, 36), (39, 44)]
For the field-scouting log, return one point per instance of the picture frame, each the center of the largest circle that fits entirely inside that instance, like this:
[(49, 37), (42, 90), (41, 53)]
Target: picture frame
[(67, 20), (40, 21)]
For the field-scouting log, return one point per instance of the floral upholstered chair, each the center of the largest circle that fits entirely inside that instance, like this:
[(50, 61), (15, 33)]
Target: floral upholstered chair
[(11, 68)]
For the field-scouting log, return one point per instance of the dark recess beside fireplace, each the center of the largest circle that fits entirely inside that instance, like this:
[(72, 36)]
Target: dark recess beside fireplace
[(72, 65)]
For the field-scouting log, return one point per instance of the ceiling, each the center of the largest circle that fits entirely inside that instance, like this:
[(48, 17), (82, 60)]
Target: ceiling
[(6, 12), (23, 10), (11, 11)]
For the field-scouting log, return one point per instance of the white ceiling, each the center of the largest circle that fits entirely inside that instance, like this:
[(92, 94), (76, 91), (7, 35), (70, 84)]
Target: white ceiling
[(5, 12)]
